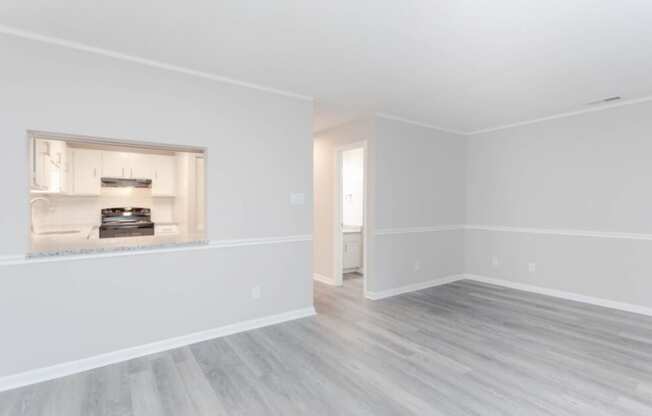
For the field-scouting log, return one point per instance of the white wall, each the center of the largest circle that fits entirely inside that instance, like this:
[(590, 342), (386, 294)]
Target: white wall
[(585, 173), (420, 182), (416, 181), (259, 151), (353, 187)]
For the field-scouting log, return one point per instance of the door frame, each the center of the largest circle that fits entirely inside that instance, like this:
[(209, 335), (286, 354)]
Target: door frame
[(338, 236)]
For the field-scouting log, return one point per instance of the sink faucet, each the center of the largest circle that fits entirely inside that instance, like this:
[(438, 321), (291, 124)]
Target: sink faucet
[(90, 232), (31, 209)]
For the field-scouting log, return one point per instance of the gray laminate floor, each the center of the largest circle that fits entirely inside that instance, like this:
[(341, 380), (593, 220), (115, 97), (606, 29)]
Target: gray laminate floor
[(461, 349)]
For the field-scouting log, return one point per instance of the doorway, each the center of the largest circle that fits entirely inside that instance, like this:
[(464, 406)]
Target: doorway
[(350, 242)]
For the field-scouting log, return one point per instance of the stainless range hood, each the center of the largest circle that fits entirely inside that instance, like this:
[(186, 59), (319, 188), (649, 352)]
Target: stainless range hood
[(126, 183)]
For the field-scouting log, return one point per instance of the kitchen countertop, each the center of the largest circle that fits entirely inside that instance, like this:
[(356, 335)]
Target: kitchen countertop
[(78, 243)]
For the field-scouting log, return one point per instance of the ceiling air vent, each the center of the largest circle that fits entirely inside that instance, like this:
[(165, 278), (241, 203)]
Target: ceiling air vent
[(605, 100)]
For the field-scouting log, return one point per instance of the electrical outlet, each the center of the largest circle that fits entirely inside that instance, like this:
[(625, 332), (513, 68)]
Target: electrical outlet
[(532, 267), (417, 266), (255, 292), (495, 262)]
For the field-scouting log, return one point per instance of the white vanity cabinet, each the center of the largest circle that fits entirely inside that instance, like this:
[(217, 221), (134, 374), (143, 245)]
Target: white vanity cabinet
[(352, 247)]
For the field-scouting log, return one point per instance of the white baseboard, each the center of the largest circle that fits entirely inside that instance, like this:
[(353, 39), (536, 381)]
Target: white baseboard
[(324, 279), (413, 287), (622, 306), (72, 367), (628, 307)]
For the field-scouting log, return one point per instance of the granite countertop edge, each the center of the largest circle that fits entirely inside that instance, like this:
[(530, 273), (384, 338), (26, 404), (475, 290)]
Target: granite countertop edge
[(111, 250)]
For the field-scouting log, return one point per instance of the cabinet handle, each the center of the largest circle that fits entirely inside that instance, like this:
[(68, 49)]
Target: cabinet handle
[(95, 172), (131, 174), (123, 172)]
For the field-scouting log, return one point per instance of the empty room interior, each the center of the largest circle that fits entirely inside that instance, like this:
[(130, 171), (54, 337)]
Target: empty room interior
[(326, 208)]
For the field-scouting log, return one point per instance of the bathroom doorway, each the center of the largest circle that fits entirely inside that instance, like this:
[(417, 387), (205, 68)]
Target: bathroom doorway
[(350, 233)]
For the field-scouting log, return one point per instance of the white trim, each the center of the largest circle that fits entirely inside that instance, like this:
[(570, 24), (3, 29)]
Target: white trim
[(611, 304), (338, 232), (259, 241), (7, 30), (622, 306), (72, 367), (562, 115), (597, 108), (429, 229), (420, 124), (560, 231), (508, 229), (413, 287), (324, 279), (214, 244)]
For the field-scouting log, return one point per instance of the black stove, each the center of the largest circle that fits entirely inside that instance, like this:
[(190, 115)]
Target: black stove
[(126, 222)]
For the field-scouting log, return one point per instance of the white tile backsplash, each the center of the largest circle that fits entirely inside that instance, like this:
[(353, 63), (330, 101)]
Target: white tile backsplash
[(75, 210)]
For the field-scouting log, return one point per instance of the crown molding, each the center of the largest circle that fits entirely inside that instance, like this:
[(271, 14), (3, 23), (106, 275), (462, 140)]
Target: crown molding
[(11, 31), (420, 124), (563, 115), (599, 108), (7, 30)]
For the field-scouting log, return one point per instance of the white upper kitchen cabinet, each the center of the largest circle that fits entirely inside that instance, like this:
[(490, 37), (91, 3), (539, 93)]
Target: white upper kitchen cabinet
[(129, 165), (140, 166), (116, 164), (39, 155), (86, 168), (49, 166), (164, 175)]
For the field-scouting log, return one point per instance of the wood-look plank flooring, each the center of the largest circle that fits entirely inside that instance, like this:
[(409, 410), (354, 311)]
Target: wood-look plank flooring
[(464, 348)]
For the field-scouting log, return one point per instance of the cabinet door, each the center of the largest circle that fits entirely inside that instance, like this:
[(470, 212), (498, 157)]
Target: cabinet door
[(86, 166), (40, 164), (67, 173), (48, 165), (57, 167), (352, 257), (115, 164), (140, 166), (164, 175)]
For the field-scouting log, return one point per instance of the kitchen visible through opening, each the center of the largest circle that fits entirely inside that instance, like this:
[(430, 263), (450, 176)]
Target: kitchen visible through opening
[(90, 195)]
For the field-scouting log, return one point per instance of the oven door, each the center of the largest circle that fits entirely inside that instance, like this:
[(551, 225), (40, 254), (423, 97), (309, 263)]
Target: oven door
[(126, 230)]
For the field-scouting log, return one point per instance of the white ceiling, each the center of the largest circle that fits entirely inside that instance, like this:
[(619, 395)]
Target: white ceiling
[(463, 65)]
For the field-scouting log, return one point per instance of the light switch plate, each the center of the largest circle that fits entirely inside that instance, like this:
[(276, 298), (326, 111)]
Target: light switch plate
[(297, 199), (255, 292)]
